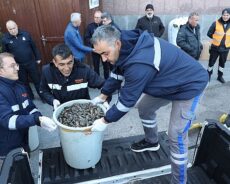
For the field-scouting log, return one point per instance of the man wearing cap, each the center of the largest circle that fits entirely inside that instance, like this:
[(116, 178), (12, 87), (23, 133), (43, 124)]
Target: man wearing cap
[(220, 34), (150, 22), (73, 38)]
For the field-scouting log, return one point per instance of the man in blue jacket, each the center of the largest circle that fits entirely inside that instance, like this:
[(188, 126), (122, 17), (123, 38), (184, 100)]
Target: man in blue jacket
[(21, 45), (73, 38), (64, 80), (17, 112), (163, 74)]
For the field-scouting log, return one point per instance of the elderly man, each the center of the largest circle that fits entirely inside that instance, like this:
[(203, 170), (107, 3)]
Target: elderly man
[(188, 37), (219, 31), (18, 112), (64, 80), (150, 22), (163, 74), (20, 44), (73, 38)]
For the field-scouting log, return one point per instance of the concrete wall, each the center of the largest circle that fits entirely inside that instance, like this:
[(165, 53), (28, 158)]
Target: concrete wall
[(126, 13)]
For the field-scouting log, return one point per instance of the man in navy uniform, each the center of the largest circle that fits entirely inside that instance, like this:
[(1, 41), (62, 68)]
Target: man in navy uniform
[(64, 79), (18, 112), (21, 45)]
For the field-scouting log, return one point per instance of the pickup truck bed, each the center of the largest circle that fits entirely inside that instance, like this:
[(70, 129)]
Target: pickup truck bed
[(120, 165)]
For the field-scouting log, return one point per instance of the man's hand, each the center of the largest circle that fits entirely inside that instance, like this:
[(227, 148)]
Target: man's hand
[(56, 103), (47, 123), (99, 125)]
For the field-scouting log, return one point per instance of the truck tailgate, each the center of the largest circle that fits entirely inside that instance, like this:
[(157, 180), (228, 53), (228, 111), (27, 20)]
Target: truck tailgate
[(118, 164)]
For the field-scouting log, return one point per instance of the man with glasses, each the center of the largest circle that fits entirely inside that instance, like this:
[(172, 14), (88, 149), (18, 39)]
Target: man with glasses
[(21, 45), (18, 112), (107, 19), (150, 22), (64, 79), (88, 35)]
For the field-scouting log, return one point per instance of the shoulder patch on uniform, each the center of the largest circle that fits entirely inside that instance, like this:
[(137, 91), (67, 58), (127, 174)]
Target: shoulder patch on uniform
[(78, 81), (24, 94)]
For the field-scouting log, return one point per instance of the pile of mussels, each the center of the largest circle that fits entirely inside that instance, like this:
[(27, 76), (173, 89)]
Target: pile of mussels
[(80, 115)]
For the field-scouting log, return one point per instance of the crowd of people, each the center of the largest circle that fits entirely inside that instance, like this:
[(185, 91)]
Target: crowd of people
[(142, 66)]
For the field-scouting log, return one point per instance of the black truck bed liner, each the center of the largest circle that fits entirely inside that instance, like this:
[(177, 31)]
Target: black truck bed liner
[(196, 175), (119, 164), (117, 159)]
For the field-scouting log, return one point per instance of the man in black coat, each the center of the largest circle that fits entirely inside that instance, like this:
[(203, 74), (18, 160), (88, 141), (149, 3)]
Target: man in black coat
[(188, 37), (150, 22), (21, 45), (88, 35), (107, 19)]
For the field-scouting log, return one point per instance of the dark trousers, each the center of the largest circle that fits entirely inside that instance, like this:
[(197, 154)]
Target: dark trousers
[(96, 62), (222, 60), (30, 70), (107, 67)]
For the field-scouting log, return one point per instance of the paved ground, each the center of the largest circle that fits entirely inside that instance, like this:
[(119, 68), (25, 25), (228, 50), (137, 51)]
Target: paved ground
[(215, 101)]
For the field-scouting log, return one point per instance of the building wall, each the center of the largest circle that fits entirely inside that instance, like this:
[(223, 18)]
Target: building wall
[(126, 13)]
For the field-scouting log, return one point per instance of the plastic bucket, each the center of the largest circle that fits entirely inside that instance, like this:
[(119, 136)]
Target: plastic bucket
[(81, 150)]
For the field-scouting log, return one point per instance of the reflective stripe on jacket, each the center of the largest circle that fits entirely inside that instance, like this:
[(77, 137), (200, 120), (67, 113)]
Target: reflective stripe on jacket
[(17, 114), (56, 86)]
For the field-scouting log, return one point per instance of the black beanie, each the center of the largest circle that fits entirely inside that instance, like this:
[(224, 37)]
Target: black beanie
[(149, 6), (226, 10)]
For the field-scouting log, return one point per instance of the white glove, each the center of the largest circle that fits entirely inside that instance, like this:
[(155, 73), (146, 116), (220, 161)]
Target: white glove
[(99, 125), (106, 105), (97, 100), (47, 123), (56, 103)]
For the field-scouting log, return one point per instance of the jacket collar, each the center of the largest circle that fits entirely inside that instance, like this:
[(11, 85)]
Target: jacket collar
[(190, 27), (8, 81)]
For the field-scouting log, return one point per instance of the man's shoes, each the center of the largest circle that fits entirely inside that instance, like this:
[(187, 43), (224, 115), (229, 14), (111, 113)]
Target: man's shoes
[(143, 145), (221, 79)]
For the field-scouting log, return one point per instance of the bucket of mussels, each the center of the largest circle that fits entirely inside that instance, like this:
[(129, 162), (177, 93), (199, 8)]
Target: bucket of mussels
[(81, 148)]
